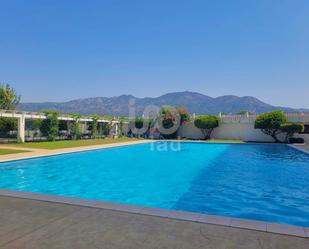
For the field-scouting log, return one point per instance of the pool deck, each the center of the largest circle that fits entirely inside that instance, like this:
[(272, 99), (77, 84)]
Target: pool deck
[(38, 224), (29, 220)]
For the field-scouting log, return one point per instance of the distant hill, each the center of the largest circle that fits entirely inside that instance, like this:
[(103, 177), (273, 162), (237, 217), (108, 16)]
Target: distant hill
[(192, 101)]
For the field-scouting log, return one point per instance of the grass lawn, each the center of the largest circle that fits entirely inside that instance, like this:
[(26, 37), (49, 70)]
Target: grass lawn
[(72, 143), (9, 151)]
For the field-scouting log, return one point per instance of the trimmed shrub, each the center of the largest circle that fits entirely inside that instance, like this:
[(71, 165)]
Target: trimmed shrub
[(270, 123), (296, 140), (207, 123), (49, 127), (290, 129)]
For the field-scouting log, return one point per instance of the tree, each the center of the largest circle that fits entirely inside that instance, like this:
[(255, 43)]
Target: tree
[(7, 125), (290, 129), (34, 126), (184, 115), (63, 125), (50, 126), (207, 123), (74, 127), (169, 121), (139, 123), (9, 99), (106, 128), (270, 123), (94, 126), (139, 126), (168, 117), (121, 124)]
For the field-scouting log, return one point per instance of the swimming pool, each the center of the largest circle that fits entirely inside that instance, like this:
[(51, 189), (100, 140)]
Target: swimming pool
[(252, 181)]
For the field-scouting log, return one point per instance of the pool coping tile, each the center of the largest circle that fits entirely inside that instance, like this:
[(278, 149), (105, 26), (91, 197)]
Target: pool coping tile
[(184, 215), (165, 213), (300, 148), (214, 220), (286, 229), (249, 224)]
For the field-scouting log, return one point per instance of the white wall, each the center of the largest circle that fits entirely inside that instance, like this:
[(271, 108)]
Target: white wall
[(241, 131), (188, 130), (229, 131)]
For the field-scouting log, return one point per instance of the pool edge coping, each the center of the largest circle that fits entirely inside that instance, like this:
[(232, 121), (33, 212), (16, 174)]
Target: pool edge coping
[(57, 152), (298, 147), (267, 227), (72, 150)]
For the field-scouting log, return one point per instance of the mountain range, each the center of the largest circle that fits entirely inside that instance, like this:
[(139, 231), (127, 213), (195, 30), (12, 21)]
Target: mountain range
[(194, 102)]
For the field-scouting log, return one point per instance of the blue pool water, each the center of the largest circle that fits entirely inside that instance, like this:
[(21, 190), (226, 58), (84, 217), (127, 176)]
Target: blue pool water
[(252, 181)]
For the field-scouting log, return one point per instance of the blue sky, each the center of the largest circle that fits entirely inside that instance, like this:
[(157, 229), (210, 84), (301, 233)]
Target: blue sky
[(62, 50)]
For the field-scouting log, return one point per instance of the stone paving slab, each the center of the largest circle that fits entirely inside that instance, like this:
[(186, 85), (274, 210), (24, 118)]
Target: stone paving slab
[(18, 217), (32, 224)]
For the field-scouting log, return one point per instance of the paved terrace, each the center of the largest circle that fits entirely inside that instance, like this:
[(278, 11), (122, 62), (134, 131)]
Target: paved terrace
[(37, 224)]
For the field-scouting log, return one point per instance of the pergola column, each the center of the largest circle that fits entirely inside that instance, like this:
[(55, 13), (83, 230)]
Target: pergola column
[(116, 129), (21, 126)]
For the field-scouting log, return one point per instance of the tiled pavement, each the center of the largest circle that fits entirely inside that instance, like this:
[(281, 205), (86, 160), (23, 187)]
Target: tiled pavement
[(36, 224)]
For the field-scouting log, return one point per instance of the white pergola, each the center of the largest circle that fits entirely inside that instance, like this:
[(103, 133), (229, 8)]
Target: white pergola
[(22, 116)]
